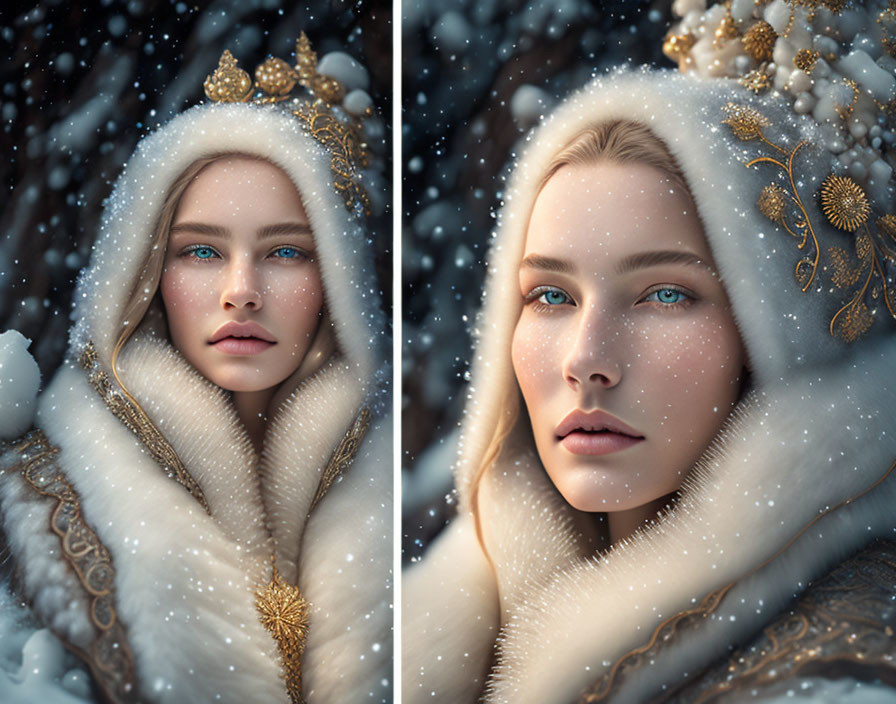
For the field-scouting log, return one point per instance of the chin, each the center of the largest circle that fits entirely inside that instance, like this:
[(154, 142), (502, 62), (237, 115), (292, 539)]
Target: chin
[(583, 492)]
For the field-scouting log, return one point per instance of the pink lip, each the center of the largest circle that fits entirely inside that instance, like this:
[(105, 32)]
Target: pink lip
[(243, 339), (595, 433)]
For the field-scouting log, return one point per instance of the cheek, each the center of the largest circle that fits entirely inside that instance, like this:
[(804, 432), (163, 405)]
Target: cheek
[(296, 298), (533, 353), (185, 294), (691, 373)]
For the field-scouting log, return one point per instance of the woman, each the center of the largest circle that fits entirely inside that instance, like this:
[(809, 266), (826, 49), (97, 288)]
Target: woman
[(203, 511), (647, 349)]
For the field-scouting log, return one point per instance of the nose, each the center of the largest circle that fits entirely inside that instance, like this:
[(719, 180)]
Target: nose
[(242, 288), (592, 360)]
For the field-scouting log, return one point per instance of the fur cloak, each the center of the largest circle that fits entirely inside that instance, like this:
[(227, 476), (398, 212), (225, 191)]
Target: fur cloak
[(799, 479), (141, 541)]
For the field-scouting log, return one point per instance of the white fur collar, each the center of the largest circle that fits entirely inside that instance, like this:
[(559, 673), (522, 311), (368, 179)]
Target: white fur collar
[(777, 468), (186, 580)]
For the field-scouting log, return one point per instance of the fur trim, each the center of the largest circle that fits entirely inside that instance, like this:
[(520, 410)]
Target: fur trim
[(810, 439)]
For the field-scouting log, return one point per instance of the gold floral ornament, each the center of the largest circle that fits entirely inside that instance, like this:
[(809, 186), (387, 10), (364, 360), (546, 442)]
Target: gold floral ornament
[(275, 81), (756, 81), (844, 203), (846, 206), (285, 613), (759, 41)]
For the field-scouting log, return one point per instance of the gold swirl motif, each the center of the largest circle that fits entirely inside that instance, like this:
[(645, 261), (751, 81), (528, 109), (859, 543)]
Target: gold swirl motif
[(109, 657), (846, 206), (805, 60), (282, 609), (136, 420), (844, 622)]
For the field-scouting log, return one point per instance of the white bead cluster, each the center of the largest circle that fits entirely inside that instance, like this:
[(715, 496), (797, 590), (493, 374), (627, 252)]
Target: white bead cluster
[(833, 63)]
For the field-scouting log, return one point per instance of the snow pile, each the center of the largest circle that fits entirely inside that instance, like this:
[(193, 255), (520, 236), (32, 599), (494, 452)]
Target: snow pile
[(19, 384)]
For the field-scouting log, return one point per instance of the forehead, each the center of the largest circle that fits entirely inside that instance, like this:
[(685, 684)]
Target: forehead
[(232, 186), (609, 211)]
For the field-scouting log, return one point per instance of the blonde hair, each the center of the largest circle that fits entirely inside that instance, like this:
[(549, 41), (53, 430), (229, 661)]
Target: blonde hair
[(615, 142)]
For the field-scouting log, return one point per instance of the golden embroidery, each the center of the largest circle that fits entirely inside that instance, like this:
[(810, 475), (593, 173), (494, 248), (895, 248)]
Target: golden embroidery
[(844, 203), (846, 206), (274, 80), (110, 657), (139, 423), (844, 622), (285, 613), (282, 609), (343, 455)]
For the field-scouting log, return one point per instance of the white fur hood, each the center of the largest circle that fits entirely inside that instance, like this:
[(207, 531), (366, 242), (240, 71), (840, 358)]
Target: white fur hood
[(186, 576), (799, 478)]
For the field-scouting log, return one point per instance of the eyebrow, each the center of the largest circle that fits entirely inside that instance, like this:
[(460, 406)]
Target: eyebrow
[(275, 230), (643, 260), (539, 261)]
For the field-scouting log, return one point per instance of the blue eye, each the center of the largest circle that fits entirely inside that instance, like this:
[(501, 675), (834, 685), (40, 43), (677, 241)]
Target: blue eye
[(667, 296), (287, 253), (550, 296), (201, 252)]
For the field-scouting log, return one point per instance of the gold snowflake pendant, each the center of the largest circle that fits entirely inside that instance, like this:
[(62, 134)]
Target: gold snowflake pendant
[(285, 613)]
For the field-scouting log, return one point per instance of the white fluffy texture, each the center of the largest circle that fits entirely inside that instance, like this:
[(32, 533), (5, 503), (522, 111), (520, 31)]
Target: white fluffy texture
[(19, 384), (134, 205), (186, 580), (56, 597), (449, 619), (816, 432)]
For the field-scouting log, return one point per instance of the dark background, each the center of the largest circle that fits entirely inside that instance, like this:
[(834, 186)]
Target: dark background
[(83, 81), (462, 65)]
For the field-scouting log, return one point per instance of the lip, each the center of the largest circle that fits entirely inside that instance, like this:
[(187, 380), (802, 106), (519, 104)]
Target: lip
[(595, 433), (242, 339)]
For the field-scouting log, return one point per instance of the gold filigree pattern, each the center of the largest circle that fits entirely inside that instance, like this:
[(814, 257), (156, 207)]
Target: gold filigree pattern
[(756, 81), (887, 21), (637, 658), (285, 613), (844, 623), (275, 80), (345, 148), (109, 655), (847, 207), (343, 455), (136, 420)]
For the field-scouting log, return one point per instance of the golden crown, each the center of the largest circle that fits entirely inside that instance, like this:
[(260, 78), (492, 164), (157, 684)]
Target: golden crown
[(275, 82)]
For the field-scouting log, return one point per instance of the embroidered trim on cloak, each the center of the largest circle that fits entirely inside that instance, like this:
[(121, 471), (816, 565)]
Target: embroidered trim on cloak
[(629, 664), (842, 626), (109, 657), (136, 420), (282, 609)]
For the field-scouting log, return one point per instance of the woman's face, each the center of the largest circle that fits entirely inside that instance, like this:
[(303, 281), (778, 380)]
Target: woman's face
[(241, 286), (626, 351)]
